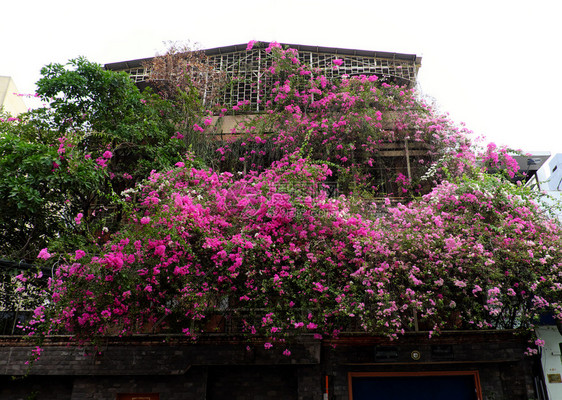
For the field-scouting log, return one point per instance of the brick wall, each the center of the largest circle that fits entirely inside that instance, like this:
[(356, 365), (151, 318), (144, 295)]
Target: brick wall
[(252, 382), (222, 368)]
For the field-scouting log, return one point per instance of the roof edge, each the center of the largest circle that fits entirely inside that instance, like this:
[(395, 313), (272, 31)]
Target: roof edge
[(318, 49)]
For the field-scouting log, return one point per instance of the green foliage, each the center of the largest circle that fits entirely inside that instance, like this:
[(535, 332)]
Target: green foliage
[(82, 94), (98, 136), (110, 113), (42, 188)]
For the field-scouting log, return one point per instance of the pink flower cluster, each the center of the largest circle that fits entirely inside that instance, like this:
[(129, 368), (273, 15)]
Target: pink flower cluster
[(274, 244)]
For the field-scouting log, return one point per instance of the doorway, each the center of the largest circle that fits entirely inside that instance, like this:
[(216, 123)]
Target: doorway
[(438, 385)]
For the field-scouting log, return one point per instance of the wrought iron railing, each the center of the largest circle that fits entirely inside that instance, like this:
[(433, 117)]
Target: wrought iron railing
[(21, 288)]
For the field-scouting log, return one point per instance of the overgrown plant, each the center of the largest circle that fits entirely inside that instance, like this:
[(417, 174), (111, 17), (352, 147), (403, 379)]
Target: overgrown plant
[(272, 251), (379, 137), (259, 240)]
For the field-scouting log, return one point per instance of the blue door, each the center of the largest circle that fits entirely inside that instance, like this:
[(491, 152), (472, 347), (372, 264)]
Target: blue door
[(441, 387)]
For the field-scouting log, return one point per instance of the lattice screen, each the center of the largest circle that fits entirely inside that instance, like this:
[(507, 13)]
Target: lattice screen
[(244, 69)]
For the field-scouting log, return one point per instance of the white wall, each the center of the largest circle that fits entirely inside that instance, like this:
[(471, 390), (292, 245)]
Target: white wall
[(8, 99)]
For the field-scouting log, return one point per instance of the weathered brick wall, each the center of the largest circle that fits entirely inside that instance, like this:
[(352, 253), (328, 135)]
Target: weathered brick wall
[(310, 382), (36, 388), (252, 382), (228, 369), (189, 386), (146, 356)]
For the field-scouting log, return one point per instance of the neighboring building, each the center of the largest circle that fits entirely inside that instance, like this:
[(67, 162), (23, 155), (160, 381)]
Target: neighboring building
[(546, 178), (531, 166), (550, 176), (551, 361), (9, 100), (549, 181), (464, 365)]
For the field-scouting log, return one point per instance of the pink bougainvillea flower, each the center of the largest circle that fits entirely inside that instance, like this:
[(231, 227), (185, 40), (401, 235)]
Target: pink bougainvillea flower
[(102, 162), (160, 250), (250, 45), (44, 254), (272, 45), (79, 254)]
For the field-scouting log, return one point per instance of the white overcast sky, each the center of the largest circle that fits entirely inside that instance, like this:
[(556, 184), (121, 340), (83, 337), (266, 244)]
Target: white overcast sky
[(495, 65)]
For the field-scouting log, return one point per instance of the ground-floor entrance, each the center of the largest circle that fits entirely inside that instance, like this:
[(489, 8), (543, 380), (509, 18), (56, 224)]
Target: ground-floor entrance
[(458, 385)]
